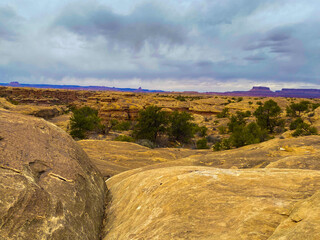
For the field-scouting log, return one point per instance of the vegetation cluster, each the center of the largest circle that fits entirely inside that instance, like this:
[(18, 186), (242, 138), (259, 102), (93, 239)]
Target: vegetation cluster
[(155, 127)]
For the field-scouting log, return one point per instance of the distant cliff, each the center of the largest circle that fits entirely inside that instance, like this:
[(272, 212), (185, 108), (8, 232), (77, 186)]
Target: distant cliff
[(259, 91), (77, 87)]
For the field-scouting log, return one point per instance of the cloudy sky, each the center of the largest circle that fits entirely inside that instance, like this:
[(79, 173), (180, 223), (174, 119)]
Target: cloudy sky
[(203, 45)]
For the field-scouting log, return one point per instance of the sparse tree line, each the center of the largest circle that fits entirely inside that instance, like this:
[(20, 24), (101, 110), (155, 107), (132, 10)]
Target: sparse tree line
[(268, 123), (155, 127)]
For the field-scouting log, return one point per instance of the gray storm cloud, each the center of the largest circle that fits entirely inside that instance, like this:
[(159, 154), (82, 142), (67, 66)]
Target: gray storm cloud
[(9, 23), (226, 41), (148, 23)]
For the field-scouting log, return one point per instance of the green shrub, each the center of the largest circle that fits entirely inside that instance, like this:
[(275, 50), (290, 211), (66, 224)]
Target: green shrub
[(296, 123), (268, 115), (239, 99), (146, 143), (213, 139), (295, 109), (223, 129), (150, 123), (83, 120), (225, 144), (246, 135), (237, 120), (12, 101), (124, 138), (304, 129), (224, 113), (180, 126), (122, 126), (202, 144), (200, 131), (315, 106), (181, 98), (247, 114)]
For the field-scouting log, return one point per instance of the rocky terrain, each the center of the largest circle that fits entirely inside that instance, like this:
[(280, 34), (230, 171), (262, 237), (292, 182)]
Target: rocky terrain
[(51, 189), (210, 203), (113, 157), (123, 106)]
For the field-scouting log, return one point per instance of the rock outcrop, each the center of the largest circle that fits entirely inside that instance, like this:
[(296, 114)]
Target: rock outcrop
[(113, 157), (49, 189), (208, 203)]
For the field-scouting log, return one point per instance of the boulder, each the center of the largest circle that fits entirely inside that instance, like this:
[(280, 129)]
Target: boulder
[(195, 202), (49, 189)]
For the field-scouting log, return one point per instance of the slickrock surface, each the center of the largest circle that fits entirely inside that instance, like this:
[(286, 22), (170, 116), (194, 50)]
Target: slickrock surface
[(303, 221), (208, 203), (49, 189), (46, 112), (113, 157), (292, 153)]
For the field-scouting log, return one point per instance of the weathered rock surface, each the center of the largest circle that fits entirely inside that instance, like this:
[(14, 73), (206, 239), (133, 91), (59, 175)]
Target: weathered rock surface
[(49, 189), (113, 157), (303, 221), (208, 203), (46, 112), (292, 153)]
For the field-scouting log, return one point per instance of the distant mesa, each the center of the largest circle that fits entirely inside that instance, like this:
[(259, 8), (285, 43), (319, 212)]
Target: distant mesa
[(77, 87), (139, 90), (256, 91), (14, 84), (260, 89)]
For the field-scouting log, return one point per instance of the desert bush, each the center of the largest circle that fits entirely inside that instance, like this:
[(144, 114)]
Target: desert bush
[(224, 113), (315, 106), (202, 144), (295, 123), (124, 138), (13, 101), (181, 98), (83, 120), (239, 99), (122, 126), (304, 129), (200, 131), (238, 120), (295, 109), (150, 123), (268, 115), (246, 135), (213, 139), (180, 126), (225, 144), (206, 119), (222, 129), (146, 143)]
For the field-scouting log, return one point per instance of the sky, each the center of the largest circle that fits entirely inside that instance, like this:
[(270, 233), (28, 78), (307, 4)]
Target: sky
[(181, 45)]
